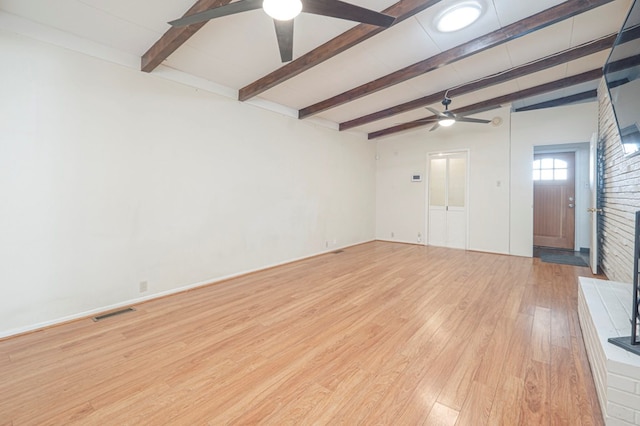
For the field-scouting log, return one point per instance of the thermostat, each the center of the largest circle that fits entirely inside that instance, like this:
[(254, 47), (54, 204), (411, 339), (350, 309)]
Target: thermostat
[(416, 177)]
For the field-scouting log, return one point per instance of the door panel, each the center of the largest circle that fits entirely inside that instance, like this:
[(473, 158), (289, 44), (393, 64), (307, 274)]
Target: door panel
[(457, 182), (554, 200), (437, 182), (437, 232), (456, 229)]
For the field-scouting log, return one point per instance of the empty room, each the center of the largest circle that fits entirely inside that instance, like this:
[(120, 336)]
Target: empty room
[(413, 212)]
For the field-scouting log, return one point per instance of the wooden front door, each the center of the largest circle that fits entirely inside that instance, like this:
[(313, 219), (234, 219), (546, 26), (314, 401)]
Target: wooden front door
[(554, 200)]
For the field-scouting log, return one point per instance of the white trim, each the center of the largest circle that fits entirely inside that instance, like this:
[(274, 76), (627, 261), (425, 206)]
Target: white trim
[(190, 80)]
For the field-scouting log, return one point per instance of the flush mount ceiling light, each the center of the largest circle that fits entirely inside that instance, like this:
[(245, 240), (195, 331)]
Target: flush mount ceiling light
[(282, 10), (458, 16)]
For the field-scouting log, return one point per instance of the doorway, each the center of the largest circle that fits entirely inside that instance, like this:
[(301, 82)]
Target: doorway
[(554, 200), (447, 200)]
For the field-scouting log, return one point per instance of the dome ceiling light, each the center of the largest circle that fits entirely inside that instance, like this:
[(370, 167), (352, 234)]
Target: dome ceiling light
[(458, 16), (282, 10)]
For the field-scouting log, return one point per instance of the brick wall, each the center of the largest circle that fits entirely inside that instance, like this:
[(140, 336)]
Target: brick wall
[(621, 196)]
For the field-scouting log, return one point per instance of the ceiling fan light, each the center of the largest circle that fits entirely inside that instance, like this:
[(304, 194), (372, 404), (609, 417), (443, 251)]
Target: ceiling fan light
[(458, 17), (446, 122), (282, 10)]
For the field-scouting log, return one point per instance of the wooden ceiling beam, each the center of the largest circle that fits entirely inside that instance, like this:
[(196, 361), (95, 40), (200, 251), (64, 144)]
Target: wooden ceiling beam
[(176, 37), (565, 10), (496, 102), (565, 100), (401, 10), (516, 72)]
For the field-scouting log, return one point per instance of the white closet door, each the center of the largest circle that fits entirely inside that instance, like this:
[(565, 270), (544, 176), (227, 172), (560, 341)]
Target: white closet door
[(448, 200)]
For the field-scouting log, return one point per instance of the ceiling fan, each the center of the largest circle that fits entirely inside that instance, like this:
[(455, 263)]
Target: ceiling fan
[(283, 12), (447, 118)]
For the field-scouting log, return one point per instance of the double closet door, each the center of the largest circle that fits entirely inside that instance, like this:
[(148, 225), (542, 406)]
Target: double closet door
[(447, 200)]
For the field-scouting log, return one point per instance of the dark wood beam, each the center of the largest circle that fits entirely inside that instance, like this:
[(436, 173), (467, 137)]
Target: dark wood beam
[(176, 37), (518, 29), (401, 10), (516, 72), (565, 100), (496, 102)]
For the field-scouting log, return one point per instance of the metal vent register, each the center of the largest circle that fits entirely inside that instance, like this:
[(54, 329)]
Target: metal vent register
[(112, 314)]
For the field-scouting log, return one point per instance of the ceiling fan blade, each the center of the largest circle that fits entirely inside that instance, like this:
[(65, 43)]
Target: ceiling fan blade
[(435, 111), (472, 120), (284, 32), (435, 127), (342, 10), (217, 12), (425, 120), (464, 113)]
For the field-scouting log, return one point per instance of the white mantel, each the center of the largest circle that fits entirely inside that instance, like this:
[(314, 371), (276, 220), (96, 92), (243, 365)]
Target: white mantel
[(604, 309)]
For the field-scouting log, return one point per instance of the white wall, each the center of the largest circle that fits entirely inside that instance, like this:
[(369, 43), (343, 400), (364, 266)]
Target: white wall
[(401, 204), (500, 217), (554, 126), (110, 176)]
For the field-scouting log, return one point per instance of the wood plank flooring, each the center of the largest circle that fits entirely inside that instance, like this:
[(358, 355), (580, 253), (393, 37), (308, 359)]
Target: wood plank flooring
[(381, 333)]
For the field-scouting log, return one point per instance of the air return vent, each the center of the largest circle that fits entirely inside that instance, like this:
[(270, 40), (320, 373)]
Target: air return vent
[(113, 314)]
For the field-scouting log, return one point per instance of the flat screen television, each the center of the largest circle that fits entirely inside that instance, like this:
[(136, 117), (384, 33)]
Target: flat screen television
[(622, 74)]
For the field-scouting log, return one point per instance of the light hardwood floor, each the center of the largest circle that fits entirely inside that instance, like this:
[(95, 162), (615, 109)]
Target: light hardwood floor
[(381, 333)]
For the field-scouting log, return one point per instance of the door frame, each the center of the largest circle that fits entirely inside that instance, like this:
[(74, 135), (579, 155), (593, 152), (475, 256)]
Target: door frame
[(554, 203), (467, 153), (594, 209), (582, 193)]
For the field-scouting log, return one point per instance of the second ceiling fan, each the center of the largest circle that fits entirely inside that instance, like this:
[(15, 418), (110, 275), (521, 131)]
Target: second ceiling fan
[(283, 12)]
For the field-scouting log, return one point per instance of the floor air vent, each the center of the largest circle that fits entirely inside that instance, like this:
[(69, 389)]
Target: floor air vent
[(337, 251), (112, 314)]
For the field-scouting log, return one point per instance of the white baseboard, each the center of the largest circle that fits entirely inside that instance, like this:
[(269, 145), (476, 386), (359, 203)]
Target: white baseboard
[(137, 300)]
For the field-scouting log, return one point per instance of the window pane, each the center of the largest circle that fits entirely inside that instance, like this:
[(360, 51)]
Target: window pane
[(536, 164), (546, 174), (560, 174), (547, 163), (536, 175), (457, 180), (437, 179), (560, 164)]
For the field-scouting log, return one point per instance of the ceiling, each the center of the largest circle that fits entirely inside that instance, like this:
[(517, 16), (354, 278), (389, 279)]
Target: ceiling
[(356, 89)]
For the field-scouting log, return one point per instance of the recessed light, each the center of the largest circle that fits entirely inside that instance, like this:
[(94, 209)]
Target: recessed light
[(458, 16)]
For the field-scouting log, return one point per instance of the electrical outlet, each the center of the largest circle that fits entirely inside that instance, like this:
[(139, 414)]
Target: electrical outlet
[(326, 243), (144, 286), (393, 234), (419, 237)]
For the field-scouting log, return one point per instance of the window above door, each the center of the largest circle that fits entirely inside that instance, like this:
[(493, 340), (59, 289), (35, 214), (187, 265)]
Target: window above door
[(550, 169)]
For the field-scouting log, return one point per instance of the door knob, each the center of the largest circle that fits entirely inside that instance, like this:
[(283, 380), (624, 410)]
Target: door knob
[(571, 206)]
